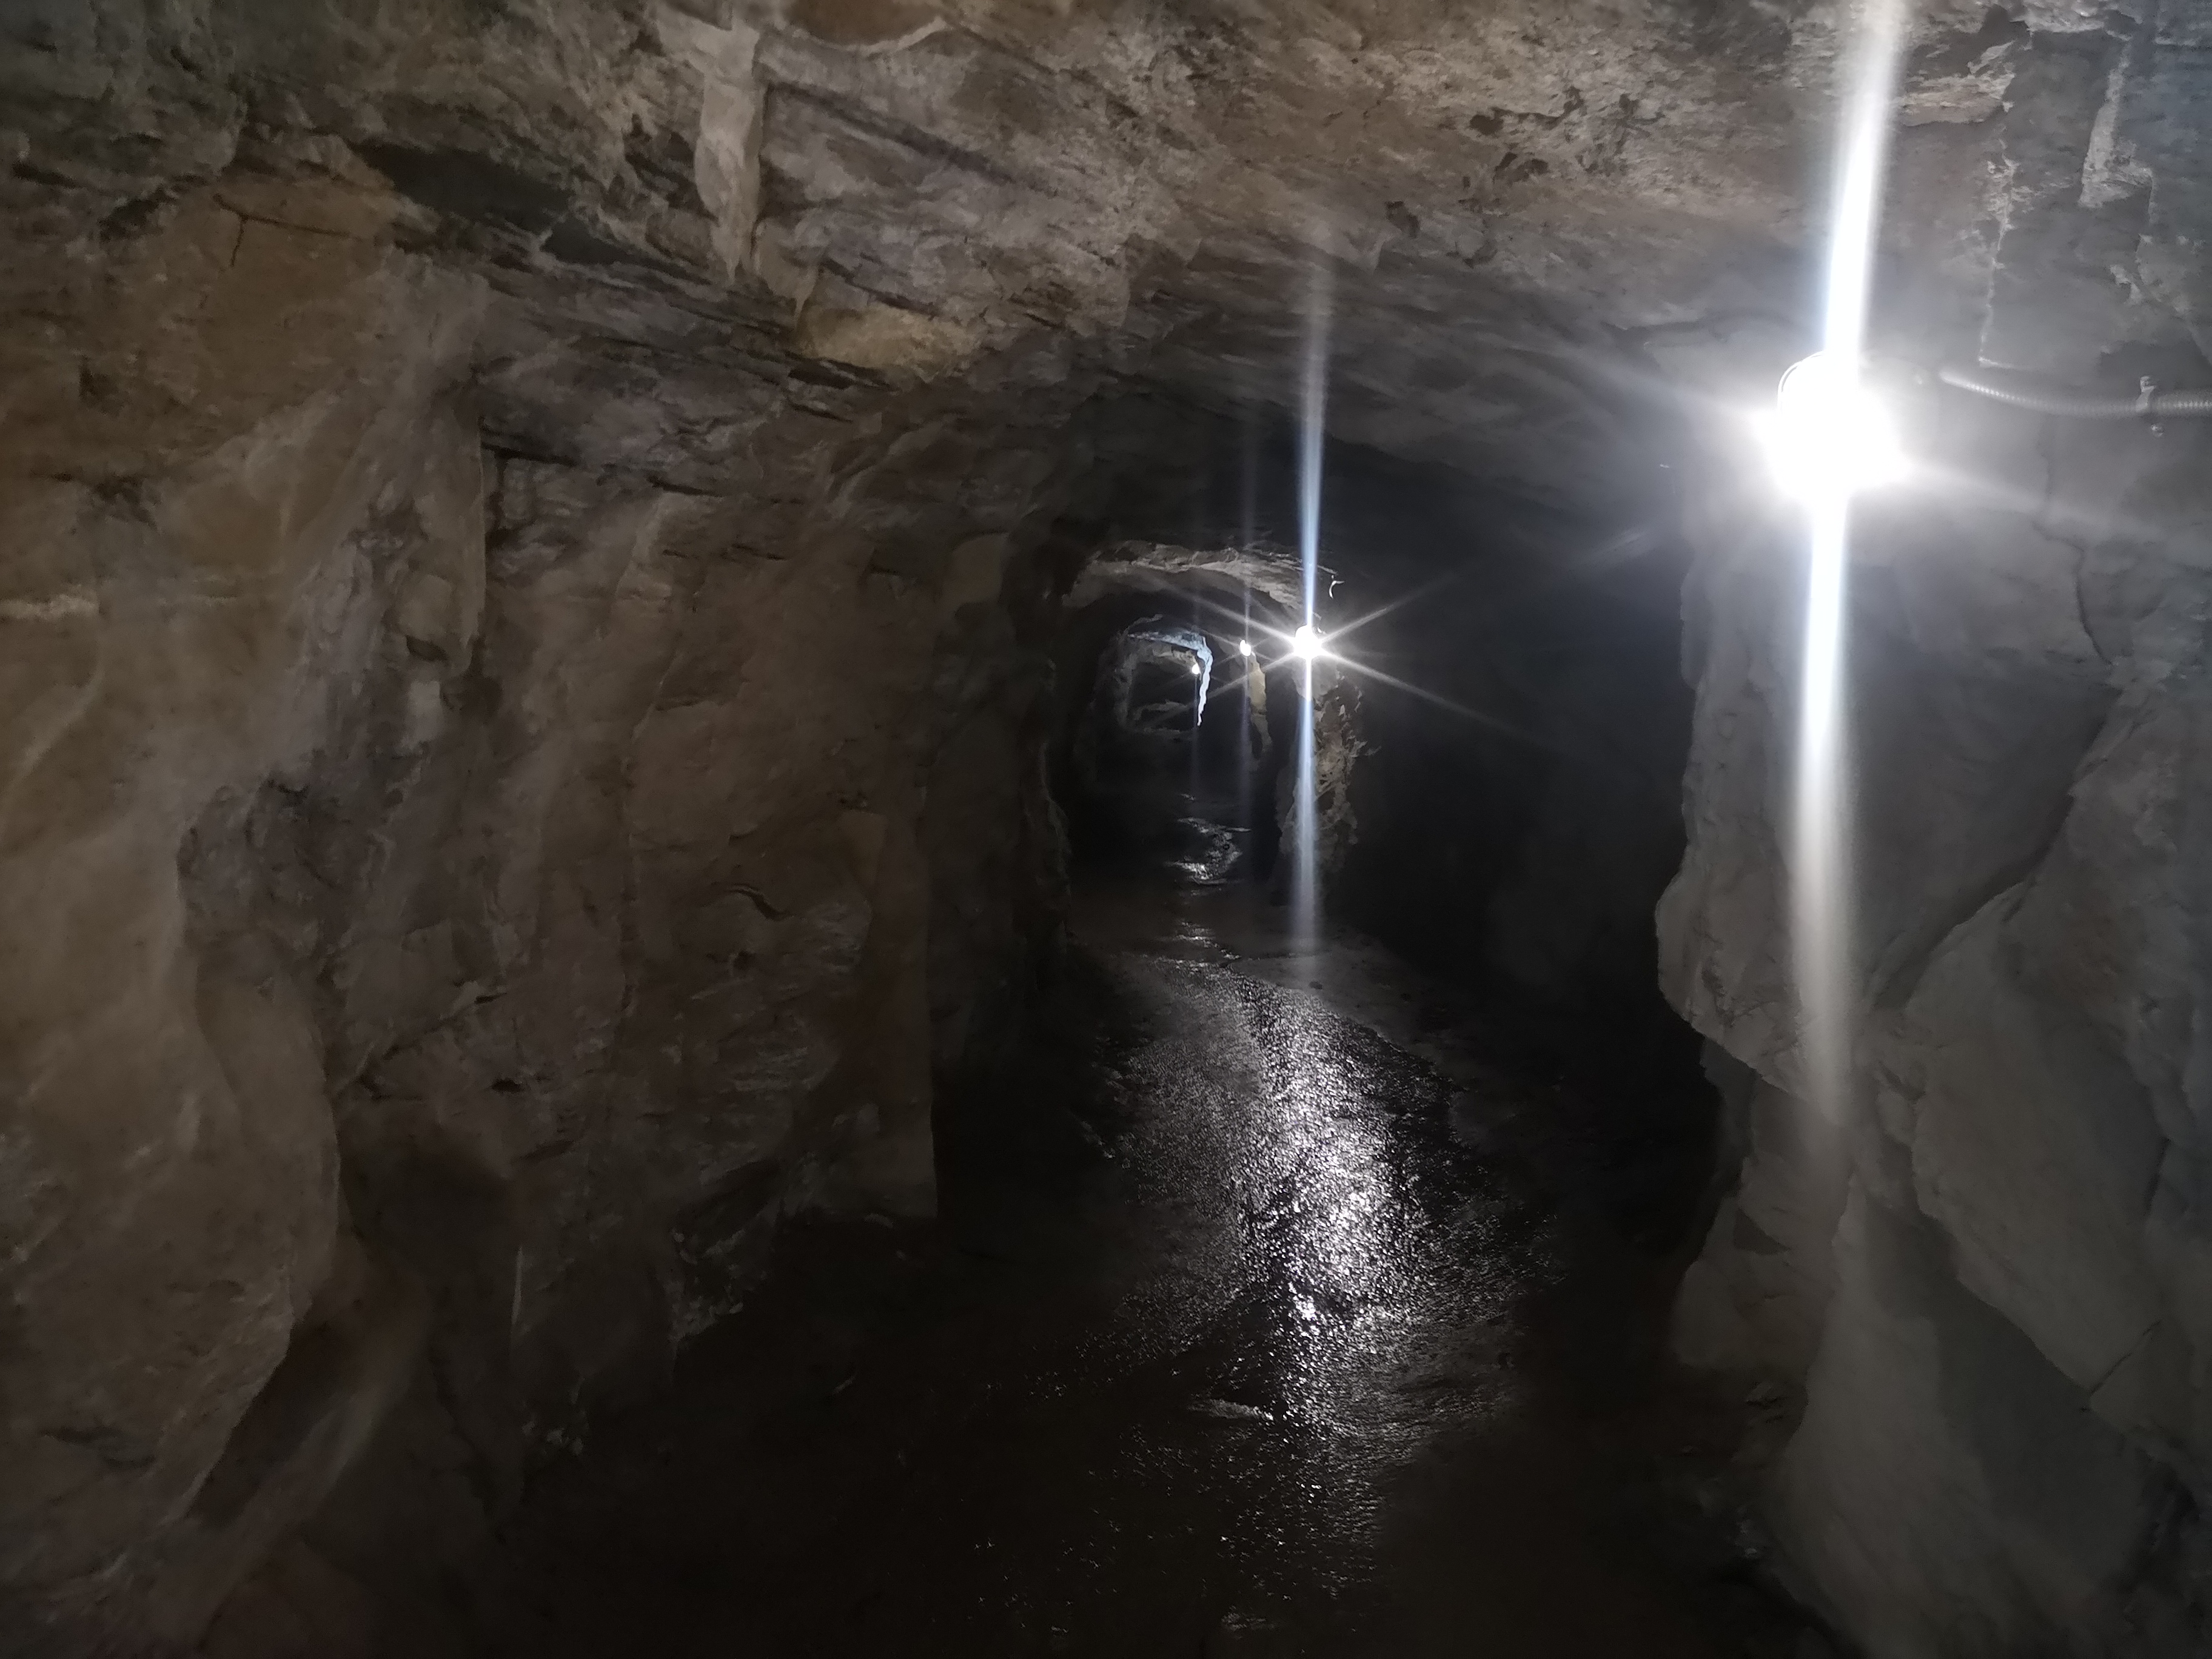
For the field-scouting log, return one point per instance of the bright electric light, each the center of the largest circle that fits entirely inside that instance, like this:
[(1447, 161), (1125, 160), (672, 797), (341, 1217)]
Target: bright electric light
[(1243, 647), (1830, 435), (1196, 673), (1305, 642)]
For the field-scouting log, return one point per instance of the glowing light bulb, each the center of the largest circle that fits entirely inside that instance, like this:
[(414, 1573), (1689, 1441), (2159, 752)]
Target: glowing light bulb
[(1243, 647), (1305, 642), (1830, 435), (1196, 672)]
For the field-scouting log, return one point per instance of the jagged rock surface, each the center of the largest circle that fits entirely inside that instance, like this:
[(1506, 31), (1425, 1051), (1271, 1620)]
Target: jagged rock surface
[(521, 734), (483, 733), (1983, 1273)]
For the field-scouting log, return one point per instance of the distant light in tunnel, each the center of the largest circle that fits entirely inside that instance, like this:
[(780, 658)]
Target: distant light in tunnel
[(1196, 672), (1243, 647), (1306, 643), (1830, 435)]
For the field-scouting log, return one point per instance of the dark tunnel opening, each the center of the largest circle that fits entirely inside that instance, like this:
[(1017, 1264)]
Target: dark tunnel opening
[(1502, 729), (1171, 742)]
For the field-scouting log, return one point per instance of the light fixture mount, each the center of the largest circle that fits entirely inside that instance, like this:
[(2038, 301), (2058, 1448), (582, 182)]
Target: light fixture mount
[(1830, 434)]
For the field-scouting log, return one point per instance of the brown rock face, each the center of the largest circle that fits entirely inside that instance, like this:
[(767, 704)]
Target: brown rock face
[(529, 578), (468, 856)]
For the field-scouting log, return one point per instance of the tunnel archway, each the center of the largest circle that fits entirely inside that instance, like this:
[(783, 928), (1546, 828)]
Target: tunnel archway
[(1165, 735), (1500, 722)]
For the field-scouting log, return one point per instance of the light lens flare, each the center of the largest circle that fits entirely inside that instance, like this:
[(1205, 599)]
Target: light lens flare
[(1840, 439), (1830, 435), (1305, 644), (1243, 647)]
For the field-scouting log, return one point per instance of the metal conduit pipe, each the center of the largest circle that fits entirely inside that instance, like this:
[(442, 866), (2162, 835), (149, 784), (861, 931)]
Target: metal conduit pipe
[(2149, 404)]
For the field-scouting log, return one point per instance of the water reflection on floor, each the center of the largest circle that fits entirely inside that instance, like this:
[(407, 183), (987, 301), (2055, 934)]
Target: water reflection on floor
[(1258, 1323)]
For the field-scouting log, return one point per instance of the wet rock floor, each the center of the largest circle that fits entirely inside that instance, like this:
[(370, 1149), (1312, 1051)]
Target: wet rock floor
[(1271, 1312)]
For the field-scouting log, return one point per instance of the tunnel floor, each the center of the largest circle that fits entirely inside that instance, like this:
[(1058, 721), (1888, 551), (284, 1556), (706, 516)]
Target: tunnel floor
[(1271, 1312)]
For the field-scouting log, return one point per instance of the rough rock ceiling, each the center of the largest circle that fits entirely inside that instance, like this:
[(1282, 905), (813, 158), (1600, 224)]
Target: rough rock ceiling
[(1501, 203)]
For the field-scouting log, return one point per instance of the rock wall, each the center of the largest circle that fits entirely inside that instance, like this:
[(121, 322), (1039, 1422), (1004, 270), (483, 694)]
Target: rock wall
[(1521, 827), (1987, 1278), (513, 779)]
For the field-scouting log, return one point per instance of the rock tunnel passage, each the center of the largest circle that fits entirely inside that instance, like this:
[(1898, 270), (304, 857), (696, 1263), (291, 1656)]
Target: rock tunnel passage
[(607, 608), (1248, 1330)]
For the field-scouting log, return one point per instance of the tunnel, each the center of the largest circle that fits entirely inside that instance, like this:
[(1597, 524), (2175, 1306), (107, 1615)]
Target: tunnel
[(1024, 827)]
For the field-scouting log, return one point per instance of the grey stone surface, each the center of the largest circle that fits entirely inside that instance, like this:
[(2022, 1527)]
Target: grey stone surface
[(1998, 1450)]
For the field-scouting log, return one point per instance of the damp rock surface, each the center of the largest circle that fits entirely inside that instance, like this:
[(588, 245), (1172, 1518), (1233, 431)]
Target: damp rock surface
[(1230, 1341)]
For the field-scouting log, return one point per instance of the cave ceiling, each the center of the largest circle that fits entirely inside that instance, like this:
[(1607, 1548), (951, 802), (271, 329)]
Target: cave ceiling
[(716, 207)]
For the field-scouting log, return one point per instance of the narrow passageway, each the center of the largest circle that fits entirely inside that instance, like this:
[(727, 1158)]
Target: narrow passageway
[(1258, 1320)]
